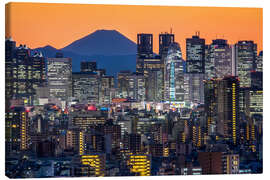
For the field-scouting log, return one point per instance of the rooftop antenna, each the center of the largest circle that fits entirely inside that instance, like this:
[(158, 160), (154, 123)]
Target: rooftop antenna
[(171, 30)]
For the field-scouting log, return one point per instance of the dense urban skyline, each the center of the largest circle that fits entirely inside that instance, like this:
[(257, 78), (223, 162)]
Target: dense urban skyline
[(53, 20), (169, 114)]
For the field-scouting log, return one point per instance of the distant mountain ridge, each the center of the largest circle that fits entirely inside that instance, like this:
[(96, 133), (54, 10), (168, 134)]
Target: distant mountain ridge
[(103, 42), (109, 48)]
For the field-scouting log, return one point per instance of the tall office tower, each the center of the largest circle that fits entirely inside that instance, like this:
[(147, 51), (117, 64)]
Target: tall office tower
[(86, 87), (136, 84), (259, 62), (144, 50), (106, 87), (220, 60), (38, 71), (195, 54), (154, 85), (139, 164), (246, 54), (59, 75), (228, 109), (211, 162), (194, 86), (165, 40), (145, 45), (123, 84), (211, 108), (17, 127), (10, 47), (87, 66), (174, 74), (22, 75), (222, 108), (153, 72)]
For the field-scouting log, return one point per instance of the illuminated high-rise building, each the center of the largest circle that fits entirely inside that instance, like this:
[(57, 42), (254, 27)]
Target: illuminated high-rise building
[(193, 84), (123, 84), (195, 54), (136, 84), (154, 85), (28, 72), (219, 61), (174, 74), (211, 107), (17, 130), (222, 108), (60, 77), (245, 54), (106, 87), (10, 47), (86, 87), (228, 109), (139, 164), (255, 103), (153, 72)]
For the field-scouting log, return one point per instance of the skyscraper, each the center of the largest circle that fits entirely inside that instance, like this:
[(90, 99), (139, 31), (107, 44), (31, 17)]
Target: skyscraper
[(220, 60), (165, 40), (60, 77), (194, 87), (153, 72), (195, 54), (136, 86), (222, 109), (123, 84), (86, 87), (106, 86), (10, 47), (144, 50), (174, 74), (246, 54), (145, 45)]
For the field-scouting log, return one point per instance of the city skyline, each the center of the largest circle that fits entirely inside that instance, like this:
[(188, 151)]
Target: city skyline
[(212, 24), (91, 109)]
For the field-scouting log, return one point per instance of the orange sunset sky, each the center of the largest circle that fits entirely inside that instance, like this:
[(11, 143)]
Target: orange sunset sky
[(41, 24)]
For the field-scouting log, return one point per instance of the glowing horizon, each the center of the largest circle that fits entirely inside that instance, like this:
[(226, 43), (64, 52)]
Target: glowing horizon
[(58, 25)]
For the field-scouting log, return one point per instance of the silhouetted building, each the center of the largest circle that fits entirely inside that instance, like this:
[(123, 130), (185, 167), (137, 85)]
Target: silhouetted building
[(165, 40)]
